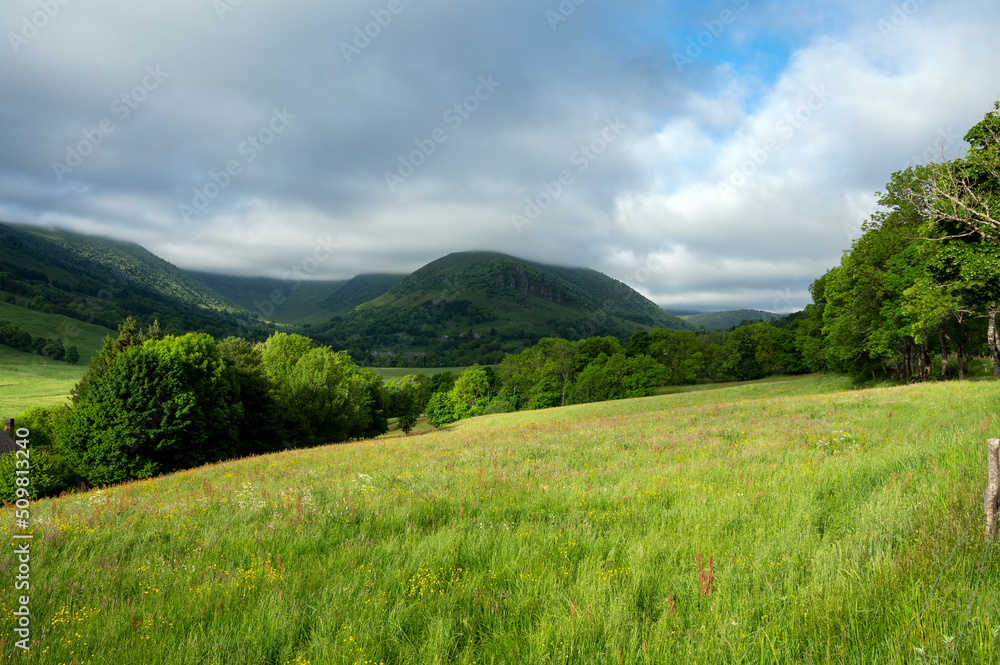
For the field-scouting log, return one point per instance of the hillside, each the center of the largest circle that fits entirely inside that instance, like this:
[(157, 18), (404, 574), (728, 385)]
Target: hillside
[(86, 337), (789, 521), (461, 309), (487, 302), (728, 319), (358, 291), (101, 281), (301, 302)]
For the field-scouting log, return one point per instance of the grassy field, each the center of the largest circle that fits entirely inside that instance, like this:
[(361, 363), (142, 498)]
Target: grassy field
[(28, 380), (86, 337), (400, 372), (791, 521)]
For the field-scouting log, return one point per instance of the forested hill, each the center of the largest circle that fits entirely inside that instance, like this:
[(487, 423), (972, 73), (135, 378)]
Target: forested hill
[(476, 305), (102, 281), (305, 301), (728, 319)]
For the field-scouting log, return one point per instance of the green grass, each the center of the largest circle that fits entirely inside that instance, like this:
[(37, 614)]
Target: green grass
[(822, 517), (28, 380), (400, 372), (85, 336)]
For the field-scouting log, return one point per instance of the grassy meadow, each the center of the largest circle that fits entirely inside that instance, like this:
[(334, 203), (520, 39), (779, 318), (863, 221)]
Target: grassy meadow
[(86, 337), (28, 380), (789, 521), (401, 372)]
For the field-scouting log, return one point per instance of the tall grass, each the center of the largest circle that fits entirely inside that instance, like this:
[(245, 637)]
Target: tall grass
[(781, 522)]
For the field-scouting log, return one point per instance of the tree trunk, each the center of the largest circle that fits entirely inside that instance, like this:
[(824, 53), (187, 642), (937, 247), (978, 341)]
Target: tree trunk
[(961, 358), (944, 354), (927, 359), (906, 360), (992, 337)]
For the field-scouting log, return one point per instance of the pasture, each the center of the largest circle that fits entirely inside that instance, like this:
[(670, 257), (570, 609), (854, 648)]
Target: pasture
[(28, 380), (791, 521)]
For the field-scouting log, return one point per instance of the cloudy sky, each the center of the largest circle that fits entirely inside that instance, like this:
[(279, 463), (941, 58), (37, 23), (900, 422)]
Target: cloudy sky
[(713, 155)]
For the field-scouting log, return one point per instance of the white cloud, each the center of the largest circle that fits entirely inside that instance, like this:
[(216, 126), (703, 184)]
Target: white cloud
[(802, 109)]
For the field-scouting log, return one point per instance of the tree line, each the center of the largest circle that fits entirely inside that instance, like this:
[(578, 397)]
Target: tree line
[(151, 404), (916, 295), (19, 339)]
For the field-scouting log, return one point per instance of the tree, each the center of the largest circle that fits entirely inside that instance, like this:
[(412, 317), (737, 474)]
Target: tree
[(406, 405), (260, 429), (72, 355), (560, 361), (678, 352), (473, 391), (128, 337), (315, 396), (961, 200), (439, 410), (163, 405)]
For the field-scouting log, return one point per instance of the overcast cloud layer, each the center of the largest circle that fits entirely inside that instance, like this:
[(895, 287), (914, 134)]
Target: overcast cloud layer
[(712, 155)]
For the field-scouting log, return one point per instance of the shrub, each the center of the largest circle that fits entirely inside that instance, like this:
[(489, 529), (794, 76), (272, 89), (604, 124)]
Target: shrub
[(164, 405), (50, 474), (499, 405)]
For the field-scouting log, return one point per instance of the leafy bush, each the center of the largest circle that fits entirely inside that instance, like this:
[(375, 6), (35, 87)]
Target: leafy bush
[(50, 474), (164, 405), (499, 405), (440, 410)]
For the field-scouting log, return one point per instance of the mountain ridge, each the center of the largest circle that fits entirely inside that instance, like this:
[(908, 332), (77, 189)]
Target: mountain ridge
[(476, 304)]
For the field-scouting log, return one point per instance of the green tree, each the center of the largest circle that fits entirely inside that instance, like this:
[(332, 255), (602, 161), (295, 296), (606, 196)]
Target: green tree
[(163, 405), (440, 411), (406, 405), (961, 201), (260, 429), (473, 391)]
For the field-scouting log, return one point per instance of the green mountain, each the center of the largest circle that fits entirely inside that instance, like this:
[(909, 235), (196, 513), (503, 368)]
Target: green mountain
[(275, 299), (289, 302), (728, 319), (486, 303), (101, 281), (463, 308), (358, 291)]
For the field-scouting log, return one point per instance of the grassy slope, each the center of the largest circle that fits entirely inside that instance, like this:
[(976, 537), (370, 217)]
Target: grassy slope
[(400, 372), (28, 380), (85, 336), (569, 535), (91, 256)]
